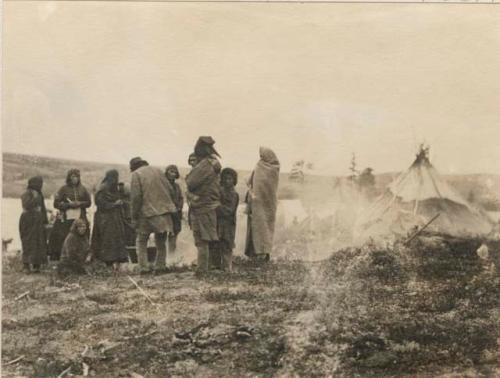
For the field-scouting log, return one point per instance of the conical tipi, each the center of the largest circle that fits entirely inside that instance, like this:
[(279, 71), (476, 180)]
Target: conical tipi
[(417, 196)]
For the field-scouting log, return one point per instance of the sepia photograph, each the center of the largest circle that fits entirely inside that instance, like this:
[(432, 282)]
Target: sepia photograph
[(250, 189)]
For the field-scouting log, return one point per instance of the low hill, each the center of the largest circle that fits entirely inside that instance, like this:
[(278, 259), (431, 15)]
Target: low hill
[(483, 189), (18, 168)]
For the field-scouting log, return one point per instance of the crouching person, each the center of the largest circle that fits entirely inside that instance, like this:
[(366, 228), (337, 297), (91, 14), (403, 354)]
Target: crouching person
[(75, 249), (226, 219)]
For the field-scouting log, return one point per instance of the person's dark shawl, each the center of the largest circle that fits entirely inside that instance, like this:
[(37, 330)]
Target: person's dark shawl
[(74, 193), (32, 224), (29, 204), (108, 236)]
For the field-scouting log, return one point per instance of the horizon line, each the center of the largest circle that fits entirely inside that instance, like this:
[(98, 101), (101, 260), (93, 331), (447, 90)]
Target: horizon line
[(240, 169)]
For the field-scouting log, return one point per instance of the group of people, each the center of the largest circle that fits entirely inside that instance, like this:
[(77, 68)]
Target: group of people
[(154, 205)]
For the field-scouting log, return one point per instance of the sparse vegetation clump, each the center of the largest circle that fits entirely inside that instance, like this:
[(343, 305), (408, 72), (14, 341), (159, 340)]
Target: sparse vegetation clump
[(431, 307)]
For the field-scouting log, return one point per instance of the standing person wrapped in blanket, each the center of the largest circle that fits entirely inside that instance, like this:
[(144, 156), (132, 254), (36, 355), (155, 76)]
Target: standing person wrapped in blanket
[(262, 203), (32, 224), (204, 198), (226, 220), (72, 200), (75, 249), (108, 235), (172, 174)]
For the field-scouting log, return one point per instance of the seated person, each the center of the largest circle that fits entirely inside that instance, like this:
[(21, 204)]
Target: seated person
[(75, 249)]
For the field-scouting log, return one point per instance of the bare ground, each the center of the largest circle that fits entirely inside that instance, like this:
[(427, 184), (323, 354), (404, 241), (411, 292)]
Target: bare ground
[(429, 310), (225, 326)]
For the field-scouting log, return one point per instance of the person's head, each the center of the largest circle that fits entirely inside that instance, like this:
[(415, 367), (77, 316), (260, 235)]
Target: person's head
[(111, 179), (172, 173), (204, 147), (73, 177), (35, 183), (136, 163), (79, 227), (267, 155), (228, 178), (192, 160)]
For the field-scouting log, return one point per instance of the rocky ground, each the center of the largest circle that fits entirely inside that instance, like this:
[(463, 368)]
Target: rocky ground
[(429, 309)]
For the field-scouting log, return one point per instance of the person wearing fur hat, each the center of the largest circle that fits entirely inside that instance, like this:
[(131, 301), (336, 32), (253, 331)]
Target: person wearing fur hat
[(172, 174), (204, 198)]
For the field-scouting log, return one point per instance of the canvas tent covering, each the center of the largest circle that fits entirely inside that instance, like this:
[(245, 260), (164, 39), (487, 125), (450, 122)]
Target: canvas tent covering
[(414, 198)]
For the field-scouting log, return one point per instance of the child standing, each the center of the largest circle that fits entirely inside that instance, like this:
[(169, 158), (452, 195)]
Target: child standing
[(226, 218)]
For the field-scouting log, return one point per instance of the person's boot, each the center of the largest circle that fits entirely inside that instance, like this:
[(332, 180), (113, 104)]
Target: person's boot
[(36, 268), (26, 268)]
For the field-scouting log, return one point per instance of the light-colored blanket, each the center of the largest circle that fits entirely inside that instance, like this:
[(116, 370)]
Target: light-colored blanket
[(262, 203)]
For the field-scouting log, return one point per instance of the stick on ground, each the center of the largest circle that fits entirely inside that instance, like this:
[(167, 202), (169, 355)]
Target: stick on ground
[(85, 369), (64, 372), (14, 361), (22, 295), (142, 291)]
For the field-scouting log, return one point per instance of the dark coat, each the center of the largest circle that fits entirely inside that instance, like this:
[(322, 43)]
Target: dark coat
[(72, 193), (179, 204), (204, 198), (66, 194), (130, 233), (226, 216), (32, 227), (108, 235), (203, 185)]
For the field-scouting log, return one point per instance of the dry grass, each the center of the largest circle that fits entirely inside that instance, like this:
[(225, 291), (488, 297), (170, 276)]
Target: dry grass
[(426, 310)]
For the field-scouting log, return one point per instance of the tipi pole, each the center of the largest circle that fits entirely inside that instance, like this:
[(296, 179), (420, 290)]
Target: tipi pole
[(423, 228)]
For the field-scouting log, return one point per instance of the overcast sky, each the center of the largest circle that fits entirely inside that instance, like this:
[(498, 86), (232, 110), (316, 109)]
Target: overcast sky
[(108, 81)]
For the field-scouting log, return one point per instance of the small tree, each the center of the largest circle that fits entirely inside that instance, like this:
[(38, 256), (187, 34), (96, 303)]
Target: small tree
[(366, 182), (352, 168)]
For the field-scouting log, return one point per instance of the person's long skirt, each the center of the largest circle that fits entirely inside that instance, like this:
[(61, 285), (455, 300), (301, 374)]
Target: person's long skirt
[(33, 238), (56, 240), (108, 237), (249, 246)]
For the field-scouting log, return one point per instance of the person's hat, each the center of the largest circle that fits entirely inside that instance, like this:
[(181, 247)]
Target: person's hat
[(135, 161), (206, 141)]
